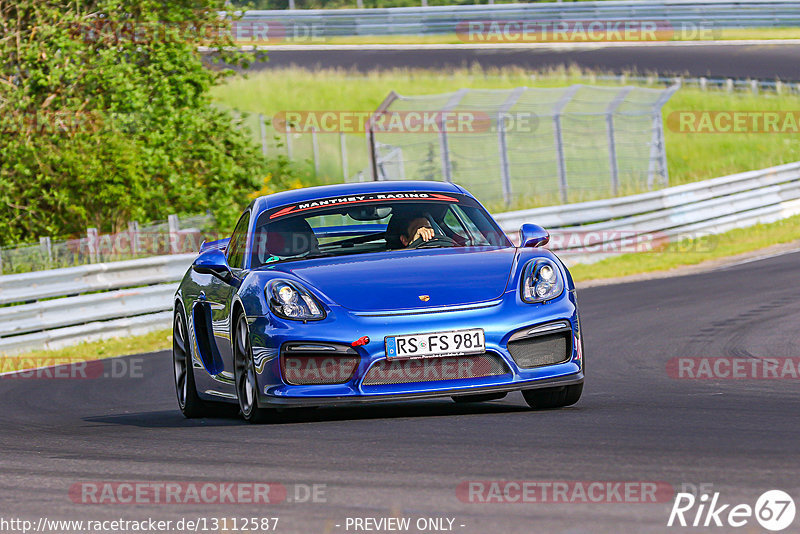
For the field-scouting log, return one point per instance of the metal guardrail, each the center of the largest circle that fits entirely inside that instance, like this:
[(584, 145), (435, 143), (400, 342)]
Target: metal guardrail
[(103, 300), (97, 301), (446, 19), (681, 212)]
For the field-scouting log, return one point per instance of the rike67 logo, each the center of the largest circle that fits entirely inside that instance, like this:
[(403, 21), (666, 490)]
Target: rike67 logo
[(774, 510)]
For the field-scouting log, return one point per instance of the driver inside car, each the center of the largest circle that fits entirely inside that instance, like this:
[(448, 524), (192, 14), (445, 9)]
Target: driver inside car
[(419, 228), (404, 230)]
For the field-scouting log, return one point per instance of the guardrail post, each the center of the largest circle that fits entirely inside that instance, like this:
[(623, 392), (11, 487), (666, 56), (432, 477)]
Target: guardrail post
[(1, 261), (174, 227), (46, 247), (315, 150), (263, 127), (343, 148), (612, 141), (559, 140)]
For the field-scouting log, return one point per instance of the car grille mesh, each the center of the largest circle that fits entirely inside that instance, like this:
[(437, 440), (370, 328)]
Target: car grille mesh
[(434, 369), (315, 369), (541, 350)]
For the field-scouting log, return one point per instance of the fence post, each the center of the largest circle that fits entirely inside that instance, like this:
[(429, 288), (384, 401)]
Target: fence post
[(444, 146), (133, 229), (612, 141), (91, 243), (263, 126), (47, 249), (505, 176), (289, 141), (658, 152), (1, 261), (315, 150), (505, 172), (444, 150), (343, 147), (559, 140), (174, 227)]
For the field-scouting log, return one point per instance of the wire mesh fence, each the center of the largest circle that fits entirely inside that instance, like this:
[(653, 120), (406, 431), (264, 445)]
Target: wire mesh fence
[(173, 236), (524, 146), (343, 156)]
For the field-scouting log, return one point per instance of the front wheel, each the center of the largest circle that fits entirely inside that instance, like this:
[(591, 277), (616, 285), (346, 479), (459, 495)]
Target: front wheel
[(189, 402), (245, 376), (556, 397)]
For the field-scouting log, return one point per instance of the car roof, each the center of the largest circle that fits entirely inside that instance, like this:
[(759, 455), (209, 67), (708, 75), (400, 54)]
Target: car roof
[(314, 193)]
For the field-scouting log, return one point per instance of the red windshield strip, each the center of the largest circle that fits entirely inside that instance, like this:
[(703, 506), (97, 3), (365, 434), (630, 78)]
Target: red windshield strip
[(291, 209)]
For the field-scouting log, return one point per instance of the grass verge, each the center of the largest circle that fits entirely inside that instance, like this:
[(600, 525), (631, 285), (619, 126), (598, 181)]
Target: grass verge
[(93, 350), (692, 252)]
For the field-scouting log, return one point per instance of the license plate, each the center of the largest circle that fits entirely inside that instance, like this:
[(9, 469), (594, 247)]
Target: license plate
[(436, 344)]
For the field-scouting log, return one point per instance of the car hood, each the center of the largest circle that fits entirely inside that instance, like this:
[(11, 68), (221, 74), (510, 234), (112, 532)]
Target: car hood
[(400, 280)]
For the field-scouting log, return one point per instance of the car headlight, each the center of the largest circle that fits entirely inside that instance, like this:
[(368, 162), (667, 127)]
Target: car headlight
[(541, 281), (291, 300)]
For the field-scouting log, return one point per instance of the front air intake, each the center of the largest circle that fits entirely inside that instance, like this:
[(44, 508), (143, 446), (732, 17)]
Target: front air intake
[(309, 364), (540, 350), (434, 369)]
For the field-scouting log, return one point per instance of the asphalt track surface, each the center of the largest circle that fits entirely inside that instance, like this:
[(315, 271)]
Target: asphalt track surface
[(634, 423), (761, 61)]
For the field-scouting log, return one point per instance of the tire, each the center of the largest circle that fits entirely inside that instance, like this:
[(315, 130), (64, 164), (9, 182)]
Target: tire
[(189, 402), (480, 397), (557, 397), (245, 376)]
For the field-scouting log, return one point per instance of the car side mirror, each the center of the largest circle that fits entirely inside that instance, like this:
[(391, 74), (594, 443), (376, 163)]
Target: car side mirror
[(533, 235), (213, 262)]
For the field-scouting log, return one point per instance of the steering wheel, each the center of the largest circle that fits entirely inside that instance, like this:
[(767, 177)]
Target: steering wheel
[(437, 241)]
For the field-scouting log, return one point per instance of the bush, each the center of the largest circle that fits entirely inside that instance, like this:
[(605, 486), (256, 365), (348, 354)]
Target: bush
[(105, 118)]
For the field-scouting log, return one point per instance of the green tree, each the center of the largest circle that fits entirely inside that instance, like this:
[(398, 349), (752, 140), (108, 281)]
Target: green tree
[(105, 117)]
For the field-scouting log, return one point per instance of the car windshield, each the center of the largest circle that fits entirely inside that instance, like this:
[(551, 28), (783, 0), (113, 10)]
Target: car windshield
[(372, 223)]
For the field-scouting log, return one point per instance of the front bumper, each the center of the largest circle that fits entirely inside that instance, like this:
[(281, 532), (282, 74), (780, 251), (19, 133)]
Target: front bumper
[(499, 319)]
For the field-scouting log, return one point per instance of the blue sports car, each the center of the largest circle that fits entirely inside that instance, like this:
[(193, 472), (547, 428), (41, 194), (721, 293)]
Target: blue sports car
[(369, 292)]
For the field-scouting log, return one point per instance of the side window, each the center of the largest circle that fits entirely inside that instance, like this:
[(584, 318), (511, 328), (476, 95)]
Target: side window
[(238, 243), (452, 222)]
